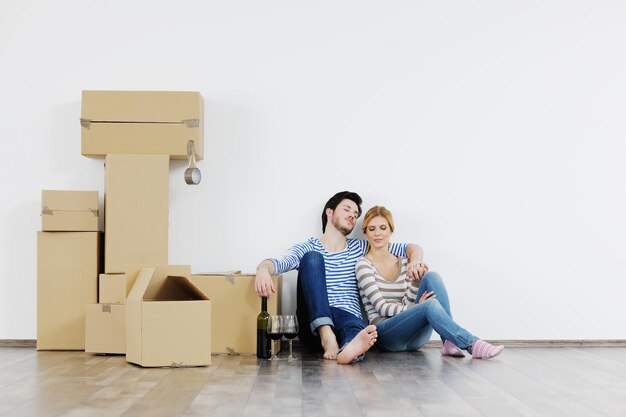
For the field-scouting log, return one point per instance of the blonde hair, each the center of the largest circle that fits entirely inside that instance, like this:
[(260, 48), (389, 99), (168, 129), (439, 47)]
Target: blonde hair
[(375, 212)]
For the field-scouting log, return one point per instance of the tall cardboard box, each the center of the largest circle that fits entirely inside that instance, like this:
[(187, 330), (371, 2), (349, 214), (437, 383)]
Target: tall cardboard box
[(69, 211), (136, 213), (234, 309), (68, 264), (142, 122), (168, 319), (105, 328)]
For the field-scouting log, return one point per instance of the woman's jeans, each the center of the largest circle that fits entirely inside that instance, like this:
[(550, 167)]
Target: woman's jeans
[(313, 309), (412, 328)]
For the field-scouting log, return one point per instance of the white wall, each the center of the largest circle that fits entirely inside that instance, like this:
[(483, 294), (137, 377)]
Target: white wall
[(493, 130)]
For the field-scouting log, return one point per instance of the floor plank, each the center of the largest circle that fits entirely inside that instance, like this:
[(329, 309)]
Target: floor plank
[(580, 379), (522, 382)]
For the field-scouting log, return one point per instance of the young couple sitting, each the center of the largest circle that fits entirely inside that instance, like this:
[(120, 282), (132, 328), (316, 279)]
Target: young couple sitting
[(404, 301)]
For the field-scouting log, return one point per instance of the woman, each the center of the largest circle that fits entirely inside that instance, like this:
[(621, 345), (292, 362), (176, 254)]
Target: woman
[(389, 298)]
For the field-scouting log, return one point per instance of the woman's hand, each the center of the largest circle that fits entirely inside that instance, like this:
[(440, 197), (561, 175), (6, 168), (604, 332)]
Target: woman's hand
[(416, 269), (427, 296)]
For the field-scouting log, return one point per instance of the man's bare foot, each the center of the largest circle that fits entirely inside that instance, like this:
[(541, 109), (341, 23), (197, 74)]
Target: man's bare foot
[(361, 343), (330, 352), (329, 342)]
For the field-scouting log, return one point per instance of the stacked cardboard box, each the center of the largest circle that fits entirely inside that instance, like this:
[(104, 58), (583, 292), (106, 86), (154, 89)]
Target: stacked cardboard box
[(105, 330), (68, 263), (136, 233), (137, 133), (151, 311), (235, 307), (136, 213), (69, 211), (142, 122)]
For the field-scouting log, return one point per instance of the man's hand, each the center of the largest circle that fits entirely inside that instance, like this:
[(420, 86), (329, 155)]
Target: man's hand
[(416, 269), (263, 282)]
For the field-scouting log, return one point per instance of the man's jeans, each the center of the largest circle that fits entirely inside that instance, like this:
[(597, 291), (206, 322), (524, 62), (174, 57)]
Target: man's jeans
[(412, 328), (313, 309)]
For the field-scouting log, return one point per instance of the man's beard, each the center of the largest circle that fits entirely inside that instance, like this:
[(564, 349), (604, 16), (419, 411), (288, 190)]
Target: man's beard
[(341, 228)]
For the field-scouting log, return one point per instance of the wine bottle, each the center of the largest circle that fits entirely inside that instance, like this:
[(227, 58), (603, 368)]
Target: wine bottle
[(263, 342)]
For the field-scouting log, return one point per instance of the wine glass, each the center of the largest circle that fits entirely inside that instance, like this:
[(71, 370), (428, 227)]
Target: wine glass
[(290, 325), (275, 332)]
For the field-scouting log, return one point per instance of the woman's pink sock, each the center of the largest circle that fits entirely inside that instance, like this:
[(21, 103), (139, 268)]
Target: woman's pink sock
[(484, 350), (450, 349)]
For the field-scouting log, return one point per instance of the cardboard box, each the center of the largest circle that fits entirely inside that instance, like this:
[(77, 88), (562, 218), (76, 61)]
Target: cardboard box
[(105, 328), (234, 309), (69, 211), (142, 122), (112, 289), (68, 264), (168, 319), (136, 214)]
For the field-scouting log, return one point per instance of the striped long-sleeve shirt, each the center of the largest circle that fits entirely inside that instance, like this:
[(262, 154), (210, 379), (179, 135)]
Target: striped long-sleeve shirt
[(381, 297), (341, 284)]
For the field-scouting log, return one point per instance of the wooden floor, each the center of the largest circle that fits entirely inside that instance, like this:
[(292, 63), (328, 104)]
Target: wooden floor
[(589, 381)]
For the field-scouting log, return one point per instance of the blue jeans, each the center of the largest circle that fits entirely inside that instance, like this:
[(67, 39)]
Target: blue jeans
[(313, 309), (412, 328)]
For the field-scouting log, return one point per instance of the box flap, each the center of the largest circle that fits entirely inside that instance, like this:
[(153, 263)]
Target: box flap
[(182, 107), (177, 289), (133, 314), (161, 273), (141, 284)]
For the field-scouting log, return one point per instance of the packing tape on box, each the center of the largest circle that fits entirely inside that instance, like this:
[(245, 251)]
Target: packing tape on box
[(106, 308), (45, 210), (86, 123), (191, 122), (228, 275)]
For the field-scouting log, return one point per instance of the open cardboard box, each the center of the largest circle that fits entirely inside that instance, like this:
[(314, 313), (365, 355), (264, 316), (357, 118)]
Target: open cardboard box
[(168, 319)]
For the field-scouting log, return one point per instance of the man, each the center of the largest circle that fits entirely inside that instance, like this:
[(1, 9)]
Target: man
[(328, 305)]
